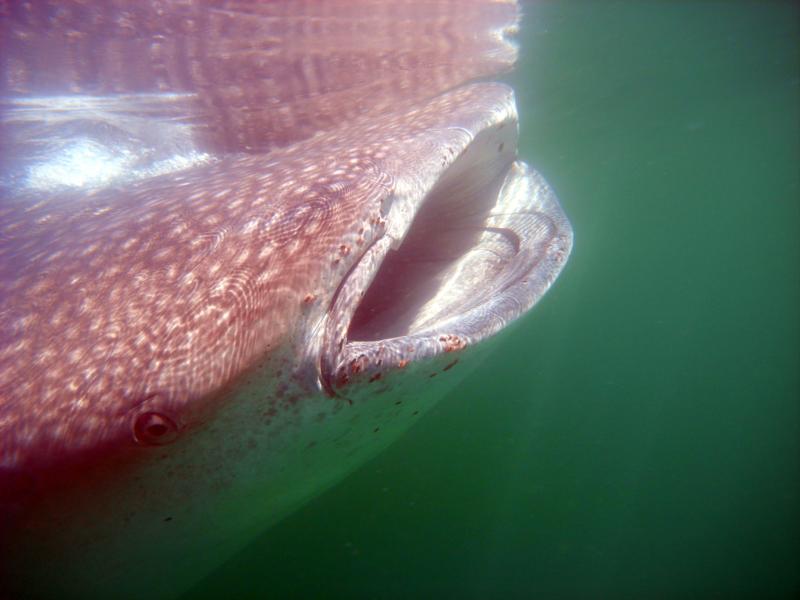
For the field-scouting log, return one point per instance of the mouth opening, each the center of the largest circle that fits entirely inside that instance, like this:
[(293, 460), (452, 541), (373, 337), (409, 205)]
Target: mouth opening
[(439, 267)]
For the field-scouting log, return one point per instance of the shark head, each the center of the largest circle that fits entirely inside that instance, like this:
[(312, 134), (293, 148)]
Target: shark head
[(190, 352)]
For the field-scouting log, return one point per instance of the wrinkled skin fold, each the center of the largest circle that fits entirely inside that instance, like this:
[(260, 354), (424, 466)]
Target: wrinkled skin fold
[(238, 267)]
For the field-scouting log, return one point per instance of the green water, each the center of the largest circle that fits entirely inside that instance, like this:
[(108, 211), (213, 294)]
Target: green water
[(639, 435)]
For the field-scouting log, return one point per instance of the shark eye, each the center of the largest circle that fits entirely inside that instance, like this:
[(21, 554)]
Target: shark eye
[(154, 429)]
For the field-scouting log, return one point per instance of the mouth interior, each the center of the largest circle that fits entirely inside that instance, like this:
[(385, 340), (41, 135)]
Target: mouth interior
[(446, 263)]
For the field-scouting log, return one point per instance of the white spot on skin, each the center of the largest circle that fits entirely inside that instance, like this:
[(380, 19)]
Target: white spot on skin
[(251, 225), (242, 258)]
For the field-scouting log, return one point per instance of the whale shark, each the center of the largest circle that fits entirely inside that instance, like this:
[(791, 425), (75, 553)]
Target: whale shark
[(243, 247)]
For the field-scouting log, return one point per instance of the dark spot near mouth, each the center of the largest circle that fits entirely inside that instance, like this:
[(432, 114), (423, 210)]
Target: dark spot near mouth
[(451, 365), (154, 429), (501, 146), (168, 519), (375, 377)]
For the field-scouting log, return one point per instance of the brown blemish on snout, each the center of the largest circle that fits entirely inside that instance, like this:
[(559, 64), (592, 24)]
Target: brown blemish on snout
[(358, 364), (375, 377), (452, 342), (342, 378)]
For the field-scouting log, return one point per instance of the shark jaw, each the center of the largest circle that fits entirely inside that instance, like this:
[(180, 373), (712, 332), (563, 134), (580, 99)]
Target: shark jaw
[(485, 241), (444, 241)]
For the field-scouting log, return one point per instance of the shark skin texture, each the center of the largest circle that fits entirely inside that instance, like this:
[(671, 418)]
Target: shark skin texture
[(243, 247)]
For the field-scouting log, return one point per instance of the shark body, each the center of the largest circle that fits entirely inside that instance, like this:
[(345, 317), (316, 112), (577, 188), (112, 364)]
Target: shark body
[(187, 356)]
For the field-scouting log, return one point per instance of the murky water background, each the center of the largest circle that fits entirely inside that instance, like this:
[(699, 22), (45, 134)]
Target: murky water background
[(638, 436)]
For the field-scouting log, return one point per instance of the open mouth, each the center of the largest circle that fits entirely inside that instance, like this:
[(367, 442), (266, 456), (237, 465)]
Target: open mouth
[(486, 242)]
